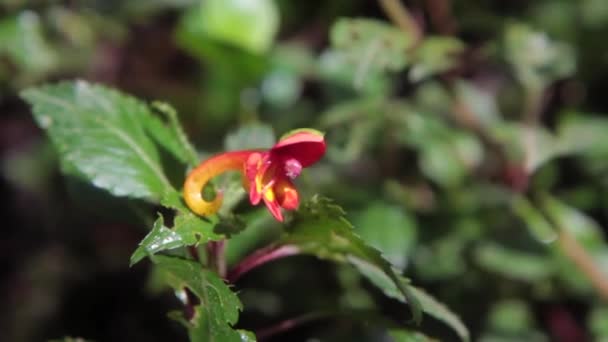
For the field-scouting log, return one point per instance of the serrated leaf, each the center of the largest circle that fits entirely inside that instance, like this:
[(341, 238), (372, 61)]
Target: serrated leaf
[(219, 307), (171, 135), (188, 230), (440, 312), (320, 229), (102, 133)]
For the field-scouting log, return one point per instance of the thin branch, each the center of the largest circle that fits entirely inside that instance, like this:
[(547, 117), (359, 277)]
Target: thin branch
[(584, 261), (532, 113), (401, 17), (287, 325), (215, 256), (259, 258)]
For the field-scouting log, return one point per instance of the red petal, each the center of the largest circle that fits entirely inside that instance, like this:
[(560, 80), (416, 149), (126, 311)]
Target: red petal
[(287, 194), (274, 208), (306, 146)]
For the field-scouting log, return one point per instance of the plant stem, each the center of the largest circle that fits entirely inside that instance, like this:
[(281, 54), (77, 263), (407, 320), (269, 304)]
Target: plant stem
[(584, 261), (287, 325), (401, 17), (216, 257), (532, 112), (260, 257)]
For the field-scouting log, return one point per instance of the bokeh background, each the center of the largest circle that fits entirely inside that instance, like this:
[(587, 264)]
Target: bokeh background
[(469, 144)]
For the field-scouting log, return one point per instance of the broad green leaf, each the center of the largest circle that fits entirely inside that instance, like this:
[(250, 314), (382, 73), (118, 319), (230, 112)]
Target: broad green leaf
[(248, 24), (510, 316), (219, 307), (171, 135), (532, 146), (580, 133), (388, 228), (370, 47), (23, 41), (482, 103), (407, 293), (188, 230), (594, 14), (448, 160), (433, 56), (597, 323), (367, 41), (102, 133), (320, 229), (250, 136), (514, 264), (336, 68), (536, 59), (440, 312)]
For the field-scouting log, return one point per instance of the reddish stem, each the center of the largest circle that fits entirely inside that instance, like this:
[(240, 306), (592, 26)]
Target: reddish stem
[(259, 258)]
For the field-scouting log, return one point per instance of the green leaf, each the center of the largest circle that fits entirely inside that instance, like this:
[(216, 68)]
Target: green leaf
[(373, 42), (510, 316), (514, 264), (320, 229), (482, 103), (434, 55), (389, 229), (23, 41), (250, 136), (535, 145), (370, 47), (448, 160), (102, 133), (586, 231), (188, 230), (597, 322), (336, 67), (250, 25), (219, 307), (405, 335), (171, 136), (440, 312), (581, 133), (537, 59)]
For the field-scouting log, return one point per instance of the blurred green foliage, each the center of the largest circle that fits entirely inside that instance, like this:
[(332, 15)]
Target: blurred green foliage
[(471, 157)]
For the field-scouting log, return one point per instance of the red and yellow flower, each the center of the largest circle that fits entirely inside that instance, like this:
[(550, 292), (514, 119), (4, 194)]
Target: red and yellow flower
[(267, 174)]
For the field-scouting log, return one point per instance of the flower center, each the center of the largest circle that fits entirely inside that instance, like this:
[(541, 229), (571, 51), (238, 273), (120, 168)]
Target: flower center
[(293, 168)]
